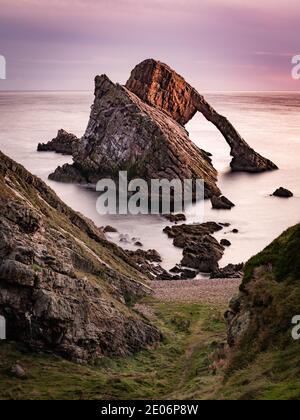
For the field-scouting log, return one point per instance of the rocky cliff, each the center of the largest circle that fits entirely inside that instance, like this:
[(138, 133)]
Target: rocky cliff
[(63, 287), (160, 86), (125, 133), (260, 318), (64, 143)]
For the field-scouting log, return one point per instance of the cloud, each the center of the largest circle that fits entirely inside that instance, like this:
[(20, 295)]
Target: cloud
[(207, 40), (274, 54)]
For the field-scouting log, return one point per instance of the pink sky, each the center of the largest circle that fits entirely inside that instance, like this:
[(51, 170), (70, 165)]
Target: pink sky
[(214, 44)]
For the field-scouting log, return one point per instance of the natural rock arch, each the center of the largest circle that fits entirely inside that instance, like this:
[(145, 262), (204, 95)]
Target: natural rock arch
[(160, 86)]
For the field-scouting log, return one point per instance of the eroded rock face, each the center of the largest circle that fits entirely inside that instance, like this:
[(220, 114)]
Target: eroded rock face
[(160, 86), (64, 143), (125, 133), (63, 287)]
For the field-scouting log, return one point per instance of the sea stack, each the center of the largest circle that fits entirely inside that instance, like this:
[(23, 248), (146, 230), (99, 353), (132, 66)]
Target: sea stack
[(126, 134), (160, 86), (139, 128)]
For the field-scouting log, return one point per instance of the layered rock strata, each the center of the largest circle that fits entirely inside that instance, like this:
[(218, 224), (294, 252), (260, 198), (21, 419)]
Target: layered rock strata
[(160, 86), (63, 287), (126, 134)]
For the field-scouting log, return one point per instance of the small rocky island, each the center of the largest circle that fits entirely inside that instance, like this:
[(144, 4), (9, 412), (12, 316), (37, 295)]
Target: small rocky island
[(64, 143)]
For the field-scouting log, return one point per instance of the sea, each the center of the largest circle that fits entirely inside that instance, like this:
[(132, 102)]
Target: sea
[(268, 121)]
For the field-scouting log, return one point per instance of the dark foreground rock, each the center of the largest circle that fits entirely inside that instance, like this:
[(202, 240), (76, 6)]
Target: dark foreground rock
[(185, 273), (175, 218), (64, 143), (221, 203), (160, 86), (63, 287), (283, 193), (110, 229), (231, 271), (148, 262), (201, 251), (225, 242), (126, 134)]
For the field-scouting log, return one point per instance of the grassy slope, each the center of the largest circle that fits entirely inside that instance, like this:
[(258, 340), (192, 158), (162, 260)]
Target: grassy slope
[(177, 368), (266, 364)]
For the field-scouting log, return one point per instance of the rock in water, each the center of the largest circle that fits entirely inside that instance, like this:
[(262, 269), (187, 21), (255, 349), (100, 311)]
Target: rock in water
[(63, 287), (225, 242), (283, 193), (221, 203), (125, 133), (175, 218), (201, 251), (64, 143), (110, 229), (231, 271), (160, 86)]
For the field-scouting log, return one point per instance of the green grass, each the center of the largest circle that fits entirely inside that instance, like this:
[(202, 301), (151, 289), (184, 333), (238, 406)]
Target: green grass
[(265, 364), (283, 255), (274, 375), (177, 367)]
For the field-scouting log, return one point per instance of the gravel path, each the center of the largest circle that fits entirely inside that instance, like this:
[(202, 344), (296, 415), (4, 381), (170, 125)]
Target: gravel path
[(218, 291)]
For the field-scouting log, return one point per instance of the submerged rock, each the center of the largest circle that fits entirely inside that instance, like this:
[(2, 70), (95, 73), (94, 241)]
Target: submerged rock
[(225, 242), (110, 229), (138, 244), (221, 203), (283, 193), (63, 287), (126, 134), (175, 218), (64, 143), (160, 86)]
